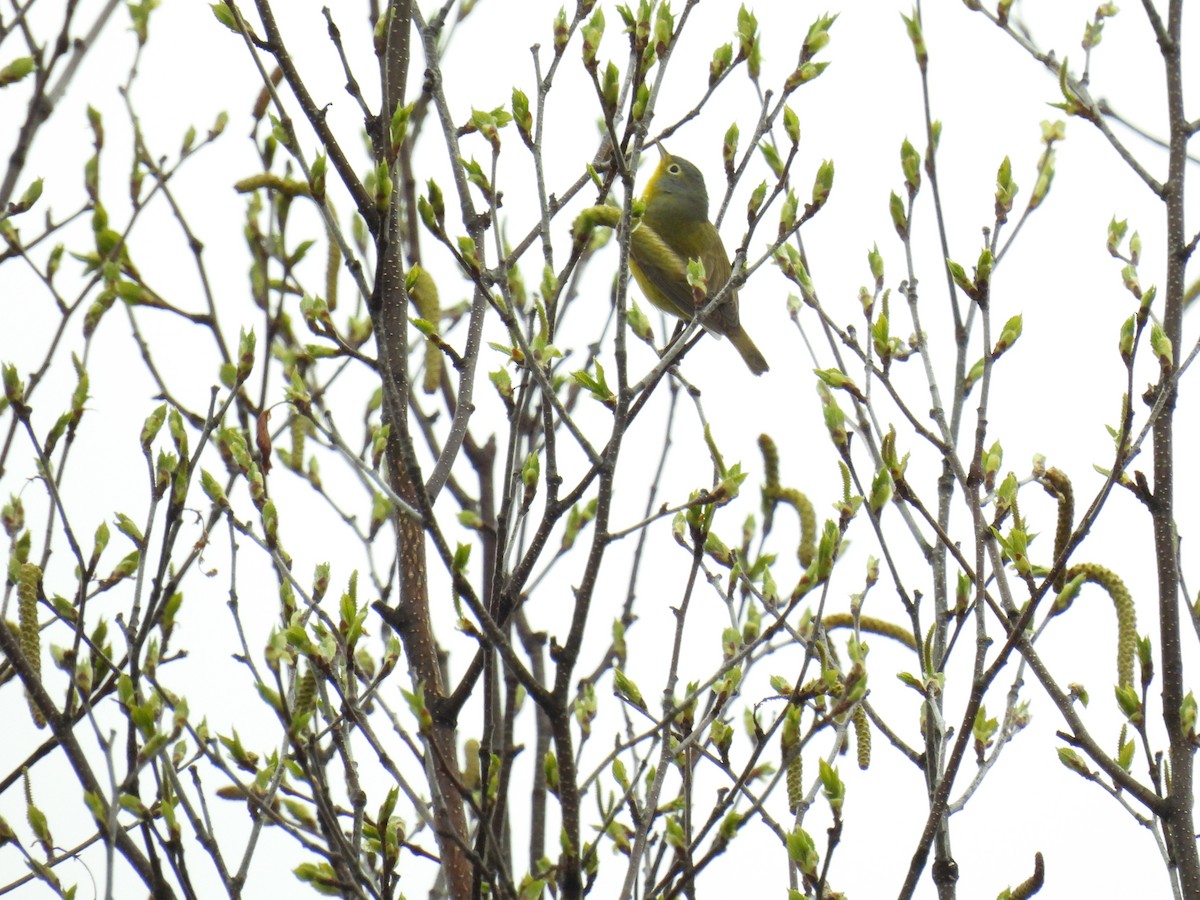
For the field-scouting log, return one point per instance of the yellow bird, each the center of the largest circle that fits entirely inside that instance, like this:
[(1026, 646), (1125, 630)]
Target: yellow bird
[(673, 229)]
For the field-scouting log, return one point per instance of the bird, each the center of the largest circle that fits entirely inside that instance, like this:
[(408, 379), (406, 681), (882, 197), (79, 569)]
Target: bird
[(674, 228)]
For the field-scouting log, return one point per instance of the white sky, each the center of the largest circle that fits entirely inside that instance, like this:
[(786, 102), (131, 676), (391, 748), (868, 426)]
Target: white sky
[(1053, 395)]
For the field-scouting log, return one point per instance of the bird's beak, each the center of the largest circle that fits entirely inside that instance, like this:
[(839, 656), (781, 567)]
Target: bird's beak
[(662, 151)]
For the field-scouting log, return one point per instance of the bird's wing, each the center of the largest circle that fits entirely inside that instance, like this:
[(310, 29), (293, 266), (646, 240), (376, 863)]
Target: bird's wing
[(724, 319), (661, 272)]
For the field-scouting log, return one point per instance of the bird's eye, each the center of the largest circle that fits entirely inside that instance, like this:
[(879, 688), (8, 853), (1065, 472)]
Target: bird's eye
[(674, 169)]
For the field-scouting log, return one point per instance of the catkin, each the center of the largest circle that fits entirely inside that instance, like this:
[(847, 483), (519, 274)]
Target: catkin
[(862, 737), (1061, 484), (1126, 615), (306, 692), (27, 620), (789, 745)]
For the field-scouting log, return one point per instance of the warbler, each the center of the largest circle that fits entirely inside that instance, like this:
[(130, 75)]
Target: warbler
[(673, 229)]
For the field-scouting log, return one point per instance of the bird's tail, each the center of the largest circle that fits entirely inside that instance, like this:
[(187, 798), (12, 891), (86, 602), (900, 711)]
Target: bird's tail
[(755, 361)]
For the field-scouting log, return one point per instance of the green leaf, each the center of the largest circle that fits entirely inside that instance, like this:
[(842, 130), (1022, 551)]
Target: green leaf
[(722, 58), (624, 688), (791, 125), (833, 786), (1130, 703), (16, 70), (803, 851), (1074, 762)]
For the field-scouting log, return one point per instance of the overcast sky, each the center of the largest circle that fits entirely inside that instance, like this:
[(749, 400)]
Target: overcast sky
[(1053, 395)]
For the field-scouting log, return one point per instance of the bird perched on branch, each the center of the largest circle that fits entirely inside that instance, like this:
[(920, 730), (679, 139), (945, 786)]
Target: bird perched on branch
[(673, 231)]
